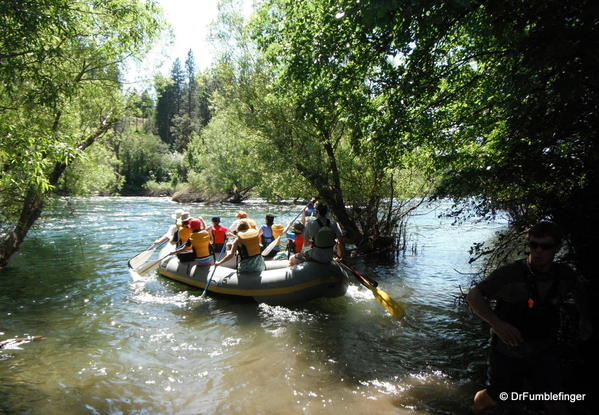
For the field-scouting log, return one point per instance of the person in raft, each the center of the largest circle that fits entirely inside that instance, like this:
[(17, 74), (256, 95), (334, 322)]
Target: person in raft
[(267, 235), (525, 321), (310, 208), (239, 216), (169, 235), (197, 246), (218, 234), (247, 245), (323, 236), (182, 236), (295, 239)]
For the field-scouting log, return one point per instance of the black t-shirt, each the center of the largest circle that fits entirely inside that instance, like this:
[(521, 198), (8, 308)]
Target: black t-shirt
[(529, 300)]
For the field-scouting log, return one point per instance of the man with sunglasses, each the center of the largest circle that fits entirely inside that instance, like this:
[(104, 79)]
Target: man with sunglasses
[(525, 321)]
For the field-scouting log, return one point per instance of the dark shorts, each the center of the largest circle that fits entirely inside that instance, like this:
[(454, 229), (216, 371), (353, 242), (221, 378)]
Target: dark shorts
[(186, 256), (218, 248), (536, 374)]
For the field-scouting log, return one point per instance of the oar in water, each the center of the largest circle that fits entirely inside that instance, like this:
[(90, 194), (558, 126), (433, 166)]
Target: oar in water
[(274, 243), (393, 307), (144, 269), (142, 257), (220, 255)]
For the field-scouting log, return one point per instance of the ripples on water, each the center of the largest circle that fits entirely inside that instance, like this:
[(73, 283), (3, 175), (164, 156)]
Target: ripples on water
[(117, 344)]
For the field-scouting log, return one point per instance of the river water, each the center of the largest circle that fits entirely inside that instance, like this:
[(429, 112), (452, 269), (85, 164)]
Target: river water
[(117, 345)]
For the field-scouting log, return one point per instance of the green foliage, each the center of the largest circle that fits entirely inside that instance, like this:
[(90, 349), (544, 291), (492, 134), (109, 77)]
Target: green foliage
[(500, 97), (166, 108), (59, 92), (182, 106), (314, 114), (140, 110), (59, 79), (155, 188), (95, 172), (145, 157), (225, 158)]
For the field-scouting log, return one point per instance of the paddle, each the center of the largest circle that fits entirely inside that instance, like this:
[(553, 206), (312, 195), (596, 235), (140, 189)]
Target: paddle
[(144, 269), (220, 255), (393, 307), (142, 257), (274, 243)]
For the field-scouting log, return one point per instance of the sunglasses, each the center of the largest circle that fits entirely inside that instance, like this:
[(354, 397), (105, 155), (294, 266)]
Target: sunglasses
[(535, 245)]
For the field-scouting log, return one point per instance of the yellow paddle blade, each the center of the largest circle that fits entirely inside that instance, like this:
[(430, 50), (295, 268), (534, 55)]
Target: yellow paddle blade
[(393, 307)]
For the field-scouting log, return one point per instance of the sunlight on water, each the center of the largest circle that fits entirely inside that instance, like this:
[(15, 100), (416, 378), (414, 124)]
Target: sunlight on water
[(115, 341), (278, 314), (182, 299), (359, 293)]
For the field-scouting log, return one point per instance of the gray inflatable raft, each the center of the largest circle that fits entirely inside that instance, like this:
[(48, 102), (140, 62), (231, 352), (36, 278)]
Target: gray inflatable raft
[(277, 285)]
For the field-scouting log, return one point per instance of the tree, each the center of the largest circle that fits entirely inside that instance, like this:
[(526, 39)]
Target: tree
[(188, 120), (59, 92), (93, 173), (191, 88), (313, 107), (166, 108), (179, 109), (207, 84), (225, 160), (178, 80), (501, 97), (143, 157)]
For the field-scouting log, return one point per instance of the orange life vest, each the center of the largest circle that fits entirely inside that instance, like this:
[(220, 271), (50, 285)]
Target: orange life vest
[(249, 243), (200, 242), (184, 234)]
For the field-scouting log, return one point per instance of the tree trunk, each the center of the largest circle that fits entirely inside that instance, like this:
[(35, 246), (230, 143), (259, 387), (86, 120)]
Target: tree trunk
[(35, 199), (330, 192), (31, 211)]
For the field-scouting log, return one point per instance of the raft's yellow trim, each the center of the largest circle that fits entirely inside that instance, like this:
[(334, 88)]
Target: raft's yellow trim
[(247, 293)]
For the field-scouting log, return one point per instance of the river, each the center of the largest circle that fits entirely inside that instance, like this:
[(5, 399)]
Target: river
[(115, 345)]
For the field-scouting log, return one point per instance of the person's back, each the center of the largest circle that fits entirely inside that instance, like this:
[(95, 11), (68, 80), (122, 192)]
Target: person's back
[(320, 236), (171, 235), (267, 236), (247, 246), (310, 208), (219, 235), (295, 239), (200, 243), (184, 250), (250, 245), (241, 216), (183, 230)]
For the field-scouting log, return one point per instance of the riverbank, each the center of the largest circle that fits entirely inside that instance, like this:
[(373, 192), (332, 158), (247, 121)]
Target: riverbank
[(187, 194)]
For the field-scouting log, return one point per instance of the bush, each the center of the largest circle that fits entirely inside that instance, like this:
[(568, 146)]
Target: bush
[(154, 188), (146, 158), (93, 173)]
